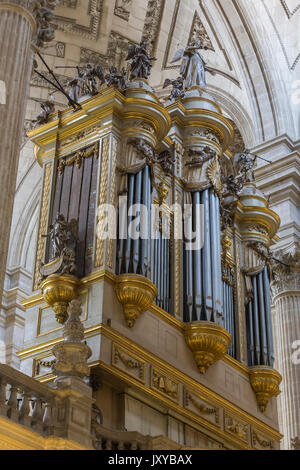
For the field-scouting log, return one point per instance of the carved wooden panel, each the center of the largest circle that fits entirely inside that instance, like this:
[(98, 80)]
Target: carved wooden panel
[(75, 198)]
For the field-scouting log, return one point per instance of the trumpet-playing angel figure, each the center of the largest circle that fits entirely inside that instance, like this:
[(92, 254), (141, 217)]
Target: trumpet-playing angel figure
[(193, 66), (141, 61)]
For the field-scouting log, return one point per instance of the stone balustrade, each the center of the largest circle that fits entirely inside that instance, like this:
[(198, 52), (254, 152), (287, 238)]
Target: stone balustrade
[(26, 401), (105, 439)]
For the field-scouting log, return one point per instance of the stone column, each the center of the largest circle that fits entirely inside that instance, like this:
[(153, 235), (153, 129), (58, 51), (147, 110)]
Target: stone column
[(286, 298), (22, 22), (17, 27)]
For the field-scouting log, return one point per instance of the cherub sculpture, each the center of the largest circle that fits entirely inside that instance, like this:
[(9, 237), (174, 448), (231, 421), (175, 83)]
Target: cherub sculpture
[(178, 88), (63, 237), (113, 78), (141, 61), (244, 164), (91, 73), (193, 66), (76, 85), (48, 107)]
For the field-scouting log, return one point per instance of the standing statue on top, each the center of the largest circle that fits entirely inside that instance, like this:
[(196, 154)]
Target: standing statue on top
[(244, 164), (141, 61), (193, 66)]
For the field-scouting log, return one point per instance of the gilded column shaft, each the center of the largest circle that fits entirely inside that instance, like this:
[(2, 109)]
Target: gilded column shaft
[(16, 29)]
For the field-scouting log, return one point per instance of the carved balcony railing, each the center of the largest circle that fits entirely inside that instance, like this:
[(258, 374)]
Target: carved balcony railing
[(25, 401), (106, 439)]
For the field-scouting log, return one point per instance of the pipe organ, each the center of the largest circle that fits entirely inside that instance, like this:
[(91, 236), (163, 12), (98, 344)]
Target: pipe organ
[(132, 174)]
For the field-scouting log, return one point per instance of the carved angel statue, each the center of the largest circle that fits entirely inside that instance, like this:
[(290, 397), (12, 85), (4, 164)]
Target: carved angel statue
[(141, 61), (48, 107), (63, 235), (113, 78), (178, 88), (244, 164), (76, 85), (90, 74), (193, 66), (43, 11)]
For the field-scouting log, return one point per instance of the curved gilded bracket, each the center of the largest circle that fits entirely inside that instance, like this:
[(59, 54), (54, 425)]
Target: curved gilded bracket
[(265, 382), (135, 293), (208, 342)]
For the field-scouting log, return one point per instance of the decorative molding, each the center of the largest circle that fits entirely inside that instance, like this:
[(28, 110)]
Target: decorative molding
[(45, 361), (55, 49), (293, 65), (162, 383), (235, 427), (116, 54), (69, 3), (202, 407), (99, 250), (128, 361), (43, 222), (259, 442), (112, 198), (78, 157), (198, 32), (80, 135), (42, 83), (289, 13), (285, 272), (154, 13), (123, 9), (138, 353), (94, 11)]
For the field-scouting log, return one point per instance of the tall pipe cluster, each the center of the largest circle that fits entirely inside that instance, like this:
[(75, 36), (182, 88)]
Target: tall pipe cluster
[(202, 266), (259, 322)]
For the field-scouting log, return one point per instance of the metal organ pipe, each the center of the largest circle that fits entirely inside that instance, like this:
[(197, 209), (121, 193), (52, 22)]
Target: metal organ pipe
[(259, 322), (203, 271)]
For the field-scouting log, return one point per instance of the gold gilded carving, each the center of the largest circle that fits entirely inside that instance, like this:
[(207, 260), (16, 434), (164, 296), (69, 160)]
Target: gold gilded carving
[(58, 291), (213, 173), (135, 293), (102, 199), (112, 197), (78, 158), (227, 260), (202, 408), (208, 342), (130, 362), (80, 135), (162, 191), (265, 382), (259, 442), (43, 223), (235, 427), (163, 384)]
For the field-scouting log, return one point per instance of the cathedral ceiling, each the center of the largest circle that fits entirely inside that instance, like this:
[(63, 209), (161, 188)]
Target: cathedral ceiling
[(238, 36)]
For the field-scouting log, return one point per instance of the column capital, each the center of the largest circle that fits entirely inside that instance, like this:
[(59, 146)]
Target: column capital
[(286, 272), (39, 13)]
